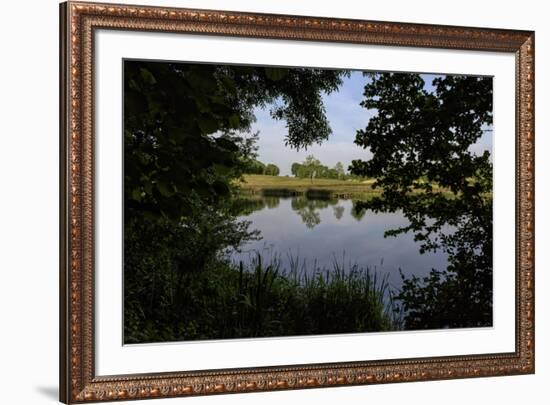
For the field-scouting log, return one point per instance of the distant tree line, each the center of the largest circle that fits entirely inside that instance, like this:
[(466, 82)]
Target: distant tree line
[(256, 167), (312, 168), (249, 157)]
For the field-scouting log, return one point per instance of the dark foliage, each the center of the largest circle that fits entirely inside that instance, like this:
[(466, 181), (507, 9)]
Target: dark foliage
[(185, 142), (423, 162), (180, 121), (231, 301)]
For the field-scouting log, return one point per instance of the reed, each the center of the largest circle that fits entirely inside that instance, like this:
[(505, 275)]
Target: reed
[(262, 299)]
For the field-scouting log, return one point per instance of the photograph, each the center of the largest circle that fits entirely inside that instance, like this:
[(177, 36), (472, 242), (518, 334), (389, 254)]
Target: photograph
[(276, 201), (269, 200)]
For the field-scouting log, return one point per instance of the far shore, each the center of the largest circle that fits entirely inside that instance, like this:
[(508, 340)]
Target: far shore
[(286, 186), (293, 186)]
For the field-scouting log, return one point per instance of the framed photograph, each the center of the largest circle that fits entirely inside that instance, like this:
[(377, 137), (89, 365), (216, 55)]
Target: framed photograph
[(260, 202)]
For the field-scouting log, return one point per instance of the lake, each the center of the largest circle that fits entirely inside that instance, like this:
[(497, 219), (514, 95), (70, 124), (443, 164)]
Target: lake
[(316, 232)]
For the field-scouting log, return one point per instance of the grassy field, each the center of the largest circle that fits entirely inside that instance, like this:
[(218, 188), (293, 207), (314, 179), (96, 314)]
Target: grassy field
[(254, 183), (288, 186)]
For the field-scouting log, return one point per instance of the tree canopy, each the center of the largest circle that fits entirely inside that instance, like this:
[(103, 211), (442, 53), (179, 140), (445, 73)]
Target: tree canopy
[(181, 123), (271, 170), (186, 138), (312, 168), (422, 159)]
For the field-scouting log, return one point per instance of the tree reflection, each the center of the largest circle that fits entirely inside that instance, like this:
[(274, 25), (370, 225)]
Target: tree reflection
[(307, 206), (357, 211), (272, 202), (338, 212), (309, 209)]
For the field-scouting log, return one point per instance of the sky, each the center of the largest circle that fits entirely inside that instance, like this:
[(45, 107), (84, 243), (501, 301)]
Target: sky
[(345, 116)]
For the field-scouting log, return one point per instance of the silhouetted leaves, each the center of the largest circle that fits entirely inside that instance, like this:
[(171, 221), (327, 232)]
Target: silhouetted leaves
[(173, 113), (422, 160), (183, 147)]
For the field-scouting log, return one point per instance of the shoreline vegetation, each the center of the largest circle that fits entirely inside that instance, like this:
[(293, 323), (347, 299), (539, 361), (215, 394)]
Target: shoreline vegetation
[(231, 300), (286, 186)]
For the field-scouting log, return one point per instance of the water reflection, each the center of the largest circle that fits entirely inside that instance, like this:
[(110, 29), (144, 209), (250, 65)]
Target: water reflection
[(338, 212), (357, 211), (315, 231), (308, 208)]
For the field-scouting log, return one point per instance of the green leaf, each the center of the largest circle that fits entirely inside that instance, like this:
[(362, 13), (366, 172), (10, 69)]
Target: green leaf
[(220, 187), (148, 187), (207, 124), (203, 105), (234, 121), (147, 76), (227, 144), (164, 190), (136, 194)]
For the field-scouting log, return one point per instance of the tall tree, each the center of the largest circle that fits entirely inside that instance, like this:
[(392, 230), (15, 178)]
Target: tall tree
[(295, 169), (271, 170), (183, 146), (311, 167), (174, 111), (339, 170), (422, 159)]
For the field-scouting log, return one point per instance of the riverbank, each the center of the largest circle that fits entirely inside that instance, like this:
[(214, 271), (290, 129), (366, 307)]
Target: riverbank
[(291, 186), (261, 299), (286, 186)]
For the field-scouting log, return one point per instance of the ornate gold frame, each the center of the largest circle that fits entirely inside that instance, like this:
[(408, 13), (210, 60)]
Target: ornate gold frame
[(78, 381)]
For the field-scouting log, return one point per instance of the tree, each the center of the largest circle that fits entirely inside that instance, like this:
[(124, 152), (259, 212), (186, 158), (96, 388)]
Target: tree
[(248, 149), (255, 167), (311, 161), (420, 141), (295, 169), (339, 169), (183, 147), (271, 170), (172, 112), (309, 168), (312, 168)]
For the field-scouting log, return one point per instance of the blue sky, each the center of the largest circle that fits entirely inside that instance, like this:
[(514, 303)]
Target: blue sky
[(345, 116)]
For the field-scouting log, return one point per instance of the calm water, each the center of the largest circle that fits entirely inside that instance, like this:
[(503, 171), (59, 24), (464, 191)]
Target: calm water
[(322, 231)]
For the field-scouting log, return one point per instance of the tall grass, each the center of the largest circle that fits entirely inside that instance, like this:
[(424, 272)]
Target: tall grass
[(262, 299), (344, 297)]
